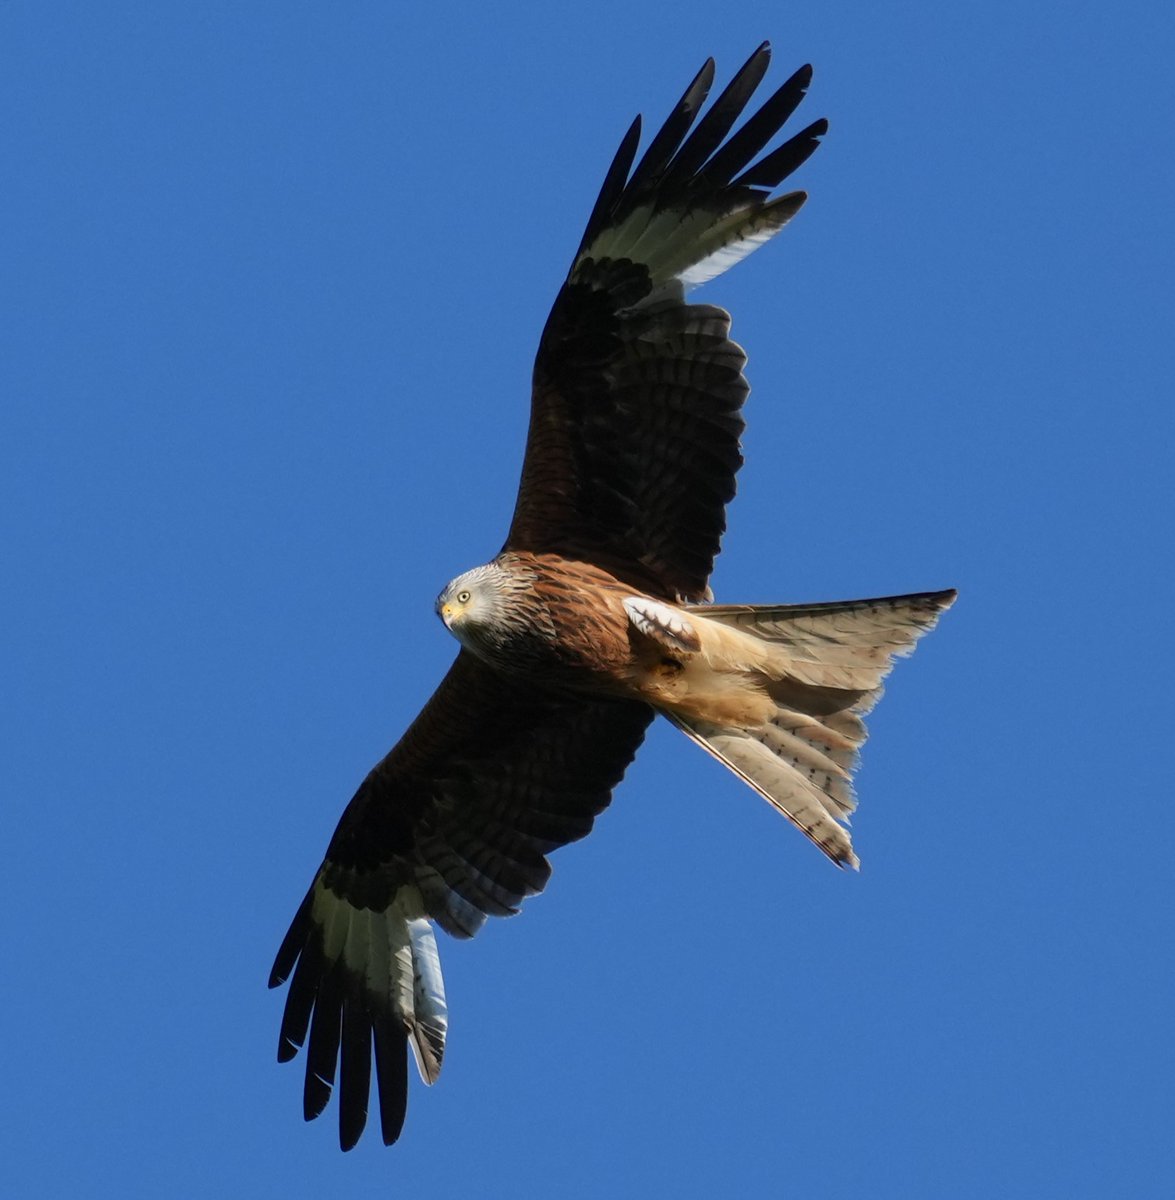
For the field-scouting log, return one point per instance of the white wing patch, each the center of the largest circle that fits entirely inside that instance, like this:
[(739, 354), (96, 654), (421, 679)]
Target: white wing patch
[(692, 245), (662, 623), (394, 953)]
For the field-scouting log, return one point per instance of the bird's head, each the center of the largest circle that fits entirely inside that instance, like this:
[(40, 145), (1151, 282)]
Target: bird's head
[(470, 600)]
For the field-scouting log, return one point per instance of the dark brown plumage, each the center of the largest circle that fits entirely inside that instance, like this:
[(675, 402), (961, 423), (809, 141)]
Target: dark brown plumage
[(635, 417), (591, 619)]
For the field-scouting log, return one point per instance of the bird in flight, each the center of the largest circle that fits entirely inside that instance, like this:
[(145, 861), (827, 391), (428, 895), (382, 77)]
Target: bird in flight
[(595, 616)]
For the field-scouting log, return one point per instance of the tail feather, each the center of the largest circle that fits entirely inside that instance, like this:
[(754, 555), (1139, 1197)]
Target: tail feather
[(777, 781), (794, 740), (816, 670), (846, 644)]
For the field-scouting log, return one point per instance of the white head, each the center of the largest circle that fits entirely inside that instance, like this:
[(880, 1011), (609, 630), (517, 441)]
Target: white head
[(474, 604)]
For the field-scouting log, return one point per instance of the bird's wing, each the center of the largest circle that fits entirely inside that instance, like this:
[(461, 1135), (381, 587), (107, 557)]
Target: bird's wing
[(454, 824), (635, 415)]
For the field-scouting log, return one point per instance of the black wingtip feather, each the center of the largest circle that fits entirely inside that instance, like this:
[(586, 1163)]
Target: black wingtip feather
[(662, 148), (292, 943), (759, 129), (720, 117), (391, 1074), (315, 1096), (322, 1051), (782, 161), (613, 185), (300, 1000), (355, 1069), (688, 165)]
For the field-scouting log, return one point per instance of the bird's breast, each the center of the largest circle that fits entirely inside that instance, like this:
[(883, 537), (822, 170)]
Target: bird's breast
[(564, 625)]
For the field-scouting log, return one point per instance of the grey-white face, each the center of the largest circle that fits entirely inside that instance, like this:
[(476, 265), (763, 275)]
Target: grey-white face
[(471, 600)]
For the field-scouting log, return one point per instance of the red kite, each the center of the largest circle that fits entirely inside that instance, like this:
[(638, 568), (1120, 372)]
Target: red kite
[(594, 617)]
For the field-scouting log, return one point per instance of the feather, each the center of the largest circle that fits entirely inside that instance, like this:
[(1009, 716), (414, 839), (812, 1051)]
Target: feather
[(431, 1012), (814, 671), (758, 131), (661, 623), (355, 1067), (785, 788), (613, 185), (361, 974), (651, 168), (391, 1073), (722, 114)]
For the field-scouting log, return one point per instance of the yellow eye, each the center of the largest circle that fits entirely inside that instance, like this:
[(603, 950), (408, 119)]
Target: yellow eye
[(463, 597)]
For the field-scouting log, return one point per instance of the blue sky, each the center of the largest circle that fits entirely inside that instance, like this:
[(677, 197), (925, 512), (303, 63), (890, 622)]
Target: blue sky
[(273, 279)]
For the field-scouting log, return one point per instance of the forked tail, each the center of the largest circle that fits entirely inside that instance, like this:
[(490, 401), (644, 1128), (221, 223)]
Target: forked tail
[(821, 666)]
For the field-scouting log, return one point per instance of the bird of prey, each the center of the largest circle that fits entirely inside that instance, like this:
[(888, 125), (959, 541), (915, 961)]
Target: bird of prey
[(595, 616)]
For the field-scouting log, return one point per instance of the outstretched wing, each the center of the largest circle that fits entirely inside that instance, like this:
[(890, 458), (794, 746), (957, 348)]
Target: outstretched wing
[(454, 824), (635, 414)]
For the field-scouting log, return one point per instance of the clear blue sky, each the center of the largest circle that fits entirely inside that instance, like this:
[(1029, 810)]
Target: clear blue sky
[(273, 276)]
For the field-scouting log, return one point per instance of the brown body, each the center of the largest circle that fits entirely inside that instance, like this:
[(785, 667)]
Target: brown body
[(776, 693), (568, 628)]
